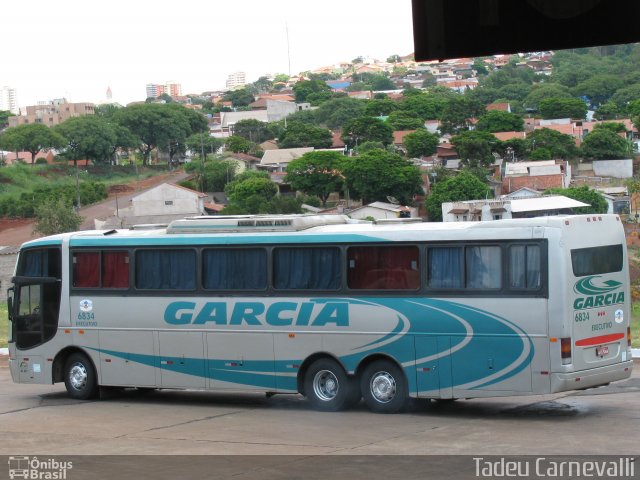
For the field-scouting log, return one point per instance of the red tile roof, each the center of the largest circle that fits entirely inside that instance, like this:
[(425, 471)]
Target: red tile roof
[(398, 136), (503, 106), (504, 136)]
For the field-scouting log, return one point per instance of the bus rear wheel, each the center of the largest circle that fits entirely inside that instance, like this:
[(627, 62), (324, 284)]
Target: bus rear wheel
[(328, 388), (80, 377), (384, 387)]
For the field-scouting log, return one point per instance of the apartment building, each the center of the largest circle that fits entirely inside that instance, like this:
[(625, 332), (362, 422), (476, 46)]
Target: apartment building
[(9, 100), (52, 112)]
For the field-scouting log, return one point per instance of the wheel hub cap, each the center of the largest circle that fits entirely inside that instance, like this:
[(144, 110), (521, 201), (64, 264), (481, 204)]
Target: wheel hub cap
[(78, 376), (325, 385), (383, 387)]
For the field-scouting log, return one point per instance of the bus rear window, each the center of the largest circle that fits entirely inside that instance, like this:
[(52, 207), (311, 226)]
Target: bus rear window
[(596, 260)]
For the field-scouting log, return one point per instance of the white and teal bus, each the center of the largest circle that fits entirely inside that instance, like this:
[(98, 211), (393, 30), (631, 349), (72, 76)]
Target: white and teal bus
[(333, 309)]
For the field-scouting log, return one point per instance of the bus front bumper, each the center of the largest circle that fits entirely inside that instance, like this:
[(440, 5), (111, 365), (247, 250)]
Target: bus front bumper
[(562, 382)]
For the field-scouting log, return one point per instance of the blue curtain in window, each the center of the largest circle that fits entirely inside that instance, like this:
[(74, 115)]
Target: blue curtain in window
[(483, 267), (166, 269), (518, 266), (34, 263), (533, 266), (307, 268), (445, 267), (234, 269)]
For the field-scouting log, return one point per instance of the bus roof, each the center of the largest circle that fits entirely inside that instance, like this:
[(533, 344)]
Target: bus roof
[(334, 230)]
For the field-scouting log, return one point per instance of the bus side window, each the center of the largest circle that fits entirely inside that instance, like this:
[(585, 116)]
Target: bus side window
[(445, 267), (115, 269), (524, 266), (234, 269), (86, 269), (166, 269), (311, 268), (483, 267), (384, 268)]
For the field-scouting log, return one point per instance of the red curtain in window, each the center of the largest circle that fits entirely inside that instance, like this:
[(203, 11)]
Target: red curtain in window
[(86, 270), (384, 268), (115, 270)]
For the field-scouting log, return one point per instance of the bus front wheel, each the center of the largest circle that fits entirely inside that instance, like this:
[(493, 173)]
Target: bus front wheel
[(80, 377), (328, 388), (384, 387)]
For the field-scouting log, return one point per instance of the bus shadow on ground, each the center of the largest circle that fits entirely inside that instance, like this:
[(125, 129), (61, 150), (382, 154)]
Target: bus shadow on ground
[(468, 409)]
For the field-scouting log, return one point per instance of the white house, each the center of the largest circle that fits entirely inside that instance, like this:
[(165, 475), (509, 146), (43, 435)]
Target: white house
[(505, 208), (382, 210), (159, 205)]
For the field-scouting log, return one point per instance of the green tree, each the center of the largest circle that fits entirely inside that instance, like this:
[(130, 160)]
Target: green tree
[(312, 91), (380, 107), (499, 121), (607, 111), (250, 193), (338, 111), (88, 138), (377, 174), (544, 91), (253, 130), (302, 135), (464, 186), (626, 95), (366, 129), (239, 144), (203, 143), (509, 75), (394, 59), (514, 93), (421, 143), (281, 78), (428, 106), (316, 173), (240, 97), (4, 118), (605, 144), (165, 126), (563, 108), (598, 88), (55, 217), (583, 194), (263, 84), (216, 175), (475, 148), (458, 112), (615, 127), (402, 120), (560, 145), (31, 137)]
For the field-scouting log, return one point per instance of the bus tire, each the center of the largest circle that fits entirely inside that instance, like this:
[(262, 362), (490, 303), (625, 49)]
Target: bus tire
[(328, 388), (80, 377), (384, 387)]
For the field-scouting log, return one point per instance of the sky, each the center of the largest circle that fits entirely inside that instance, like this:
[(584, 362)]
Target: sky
[(76, 49)]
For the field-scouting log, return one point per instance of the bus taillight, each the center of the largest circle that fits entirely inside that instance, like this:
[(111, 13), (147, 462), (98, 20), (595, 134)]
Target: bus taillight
[(565, 350), (628, 337)]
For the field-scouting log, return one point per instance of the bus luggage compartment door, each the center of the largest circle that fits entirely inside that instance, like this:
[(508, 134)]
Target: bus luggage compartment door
[(428, 364), (182, 363)]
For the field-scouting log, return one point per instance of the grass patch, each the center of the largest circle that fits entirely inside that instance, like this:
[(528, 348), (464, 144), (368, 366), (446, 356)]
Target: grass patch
[(4, 324), (635, 325)]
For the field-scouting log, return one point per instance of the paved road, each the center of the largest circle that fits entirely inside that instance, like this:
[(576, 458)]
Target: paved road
[(41, 419)]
